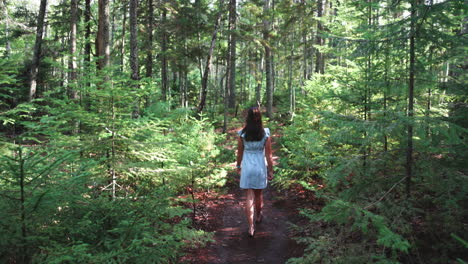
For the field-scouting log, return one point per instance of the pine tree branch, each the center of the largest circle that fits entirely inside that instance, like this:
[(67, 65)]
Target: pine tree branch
[(383, 196)]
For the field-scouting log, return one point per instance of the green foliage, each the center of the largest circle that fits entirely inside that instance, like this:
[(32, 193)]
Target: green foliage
[(73, 212), (347, 143), (98, 178), (68, 216)]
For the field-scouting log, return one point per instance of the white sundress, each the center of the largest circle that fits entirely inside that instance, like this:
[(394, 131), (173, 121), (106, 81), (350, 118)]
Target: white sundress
[(253, 166)]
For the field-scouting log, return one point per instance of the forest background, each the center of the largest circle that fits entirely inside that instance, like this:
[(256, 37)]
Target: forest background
[(111, 111)]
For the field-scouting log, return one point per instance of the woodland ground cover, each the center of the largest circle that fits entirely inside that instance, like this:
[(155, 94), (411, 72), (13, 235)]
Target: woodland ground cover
[(113, 112)]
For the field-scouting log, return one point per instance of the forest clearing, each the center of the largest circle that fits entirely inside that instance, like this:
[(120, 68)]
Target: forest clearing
[(119, 121)]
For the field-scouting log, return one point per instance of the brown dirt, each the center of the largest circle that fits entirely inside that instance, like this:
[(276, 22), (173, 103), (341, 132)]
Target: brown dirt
[(272, 242), (224, 215)]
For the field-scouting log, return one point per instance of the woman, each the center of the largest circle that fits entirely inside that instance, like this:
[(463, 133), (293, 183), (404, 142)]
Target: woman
[(254, 144)]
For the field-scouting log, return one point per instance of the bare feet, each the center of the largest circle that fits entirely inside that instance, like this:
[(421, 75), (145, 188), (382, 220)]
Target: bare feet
[(259, 218), (251, 231)]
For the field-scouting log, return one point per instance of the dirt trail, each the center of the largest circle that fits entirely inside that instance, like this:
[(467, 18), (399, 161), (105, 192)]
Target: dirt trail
[(272, 242)]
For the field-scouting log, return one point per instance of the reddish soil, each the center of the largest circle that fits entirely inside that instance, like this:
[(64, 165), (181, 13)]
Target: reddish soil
[(224, 215), (272, 242)]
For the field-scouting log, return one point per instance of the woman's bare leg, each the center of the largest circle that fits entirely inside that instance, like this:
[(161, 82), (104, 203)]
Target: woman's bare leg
[(249, 209), (258, 204)]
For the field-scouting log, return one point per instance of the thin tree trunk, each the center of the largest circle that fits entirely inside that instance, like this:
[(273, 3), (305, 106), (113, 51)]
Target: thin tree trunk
[(122, 46), (273, 72), (429, 92), (62, 62), (134, 65), (72, 61), (7, 29), (258, 78), (22, 176), (103, 49), (368, 91), (37, 50), (225, 118), (204, 81), (87, 17), (268, 68), (112, 26), (183, 78), (164, 55), (319, 61), (304, 63), (149, 50), (215, 92), (290, 86), (386, 91), (232, 55), (409, 150), (135, 75)]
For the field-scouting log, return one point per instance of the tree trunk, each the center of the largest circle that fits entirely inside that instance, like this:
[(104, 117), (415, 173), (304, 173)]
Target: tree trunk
[(183, 78), (258, 78), (304, 59), (292, 94), (268, 68), (319, 61), (87, 17), (37, 50), (204, 81), (7, 29), (102, 44), (409, 149), (273, 72), (135, 76), (149, 50), (386, 91), (164, 55), (122, 46), (232, 55), (72, 61)]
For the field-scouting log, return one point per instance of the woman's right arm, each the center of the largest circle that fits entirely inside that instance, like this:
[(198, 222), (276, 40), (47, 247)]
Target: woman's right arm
[(240, 153), (269, 158)]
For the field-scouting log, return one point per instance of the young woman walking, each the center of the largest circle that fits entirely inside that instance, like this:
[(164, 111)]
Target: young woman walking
[(253, 147)]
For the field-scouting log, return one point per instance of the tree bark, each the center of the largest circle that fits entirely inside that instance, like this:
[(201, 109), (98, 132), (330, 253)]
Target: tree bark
[(87, 17), (122, 37), (164, 54), (37, 50), (7, 29), (409, 149), (149, 50), (319, 61), (72, 61), (386, 91), (134, 64), (258, 77), (134, 40), (102, 44), (268, 68), (232, 55), (204, 81), (292, 90)]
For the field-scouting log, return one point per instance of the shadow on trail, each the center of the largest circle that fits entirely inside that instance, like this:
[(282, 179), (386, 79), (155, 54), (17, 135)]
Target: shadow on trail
[(271, 243)]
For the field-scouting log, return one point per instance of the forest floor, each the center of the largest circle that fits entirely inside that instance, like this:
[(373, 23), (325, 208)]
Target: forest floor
[(224, 215), (272, 242)]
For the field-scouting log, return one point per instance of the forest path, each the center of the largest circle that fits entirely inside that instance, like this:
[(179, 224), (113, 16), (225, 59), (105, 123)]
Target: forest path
[(272, 242)]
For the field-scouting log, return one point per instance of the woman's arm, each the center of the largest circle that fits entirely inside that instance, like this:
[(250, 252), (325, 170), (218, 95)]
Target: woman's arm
[(269, 158), (240, 153)]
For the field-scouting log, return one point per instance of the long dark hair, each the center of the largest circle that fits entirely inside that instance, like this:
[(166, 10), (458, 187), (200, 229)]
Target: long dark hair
[(253, 129)]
